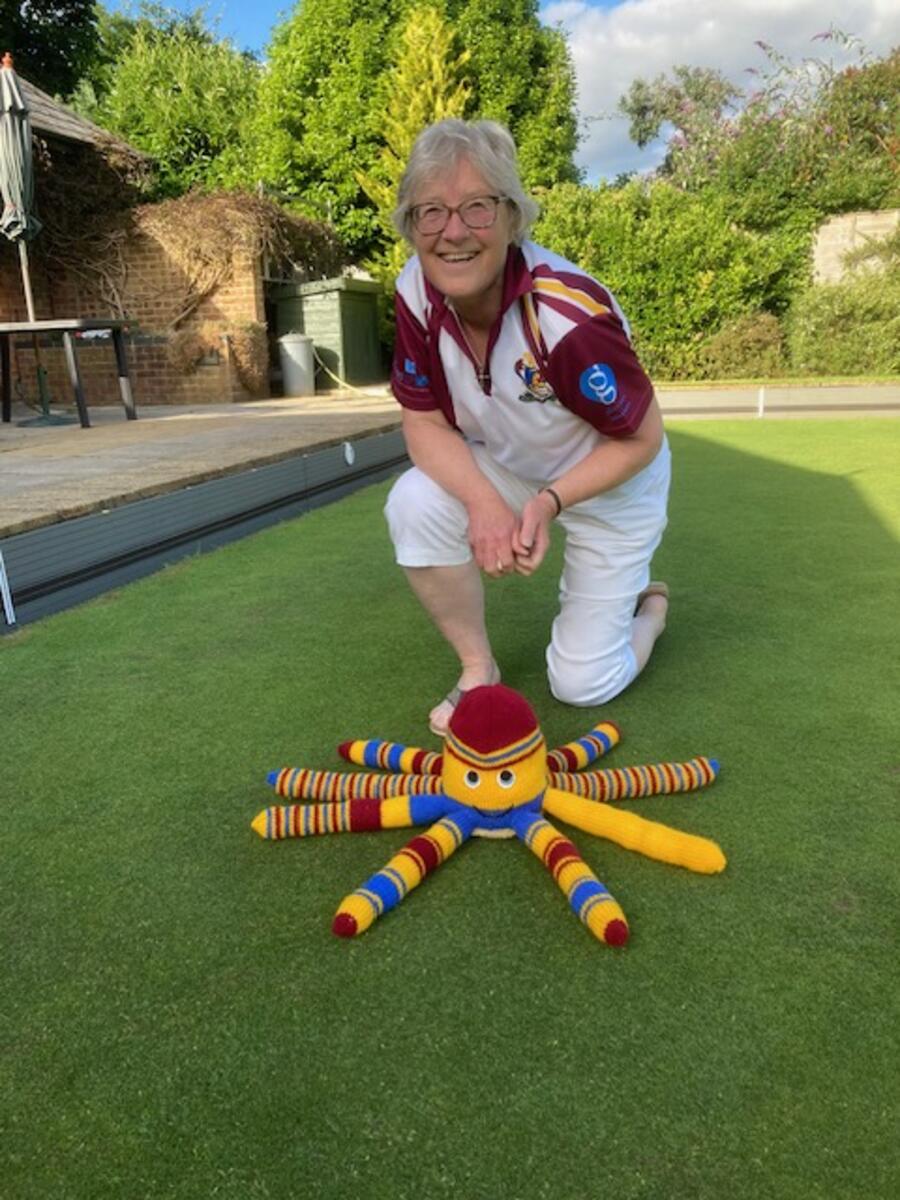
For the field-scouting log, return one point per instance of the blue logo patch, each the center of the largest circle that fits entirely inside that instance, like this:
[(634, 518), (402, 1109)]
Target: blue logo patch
[(598, 384), (412, 374)]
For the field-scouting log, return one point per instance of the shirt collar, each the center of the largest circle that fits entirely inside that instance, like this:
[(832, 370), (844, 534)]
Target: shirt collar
[(517, 280)]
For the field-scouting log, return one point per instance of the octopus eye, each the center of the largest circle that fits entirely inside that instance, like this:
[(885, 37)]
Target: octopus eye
[(472, 779), (506, 778)]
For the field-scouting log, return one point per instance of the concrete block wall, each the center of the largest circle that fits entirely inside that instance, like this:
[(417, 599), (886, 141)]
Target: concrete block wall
[(841, 235)]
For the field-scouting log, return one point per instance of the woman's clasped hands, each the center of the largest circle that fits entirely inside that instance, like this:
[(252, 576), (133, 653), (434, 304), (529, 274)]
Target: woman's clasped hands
[(504, 542)]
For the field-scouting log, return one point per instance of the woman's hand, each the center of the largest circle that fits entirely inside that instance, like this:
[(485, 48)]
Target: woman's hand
[(532, 538), (492, 530)]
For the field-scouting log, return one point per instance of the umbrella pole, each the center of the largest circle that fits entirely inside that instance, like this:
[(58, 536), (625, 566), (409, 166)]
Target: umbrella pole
[(29, 305), (26, 279)]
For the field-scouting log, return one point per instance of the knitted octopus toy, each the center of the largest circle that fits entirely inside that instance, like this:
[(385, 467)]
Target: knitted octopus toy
[(495, 778)]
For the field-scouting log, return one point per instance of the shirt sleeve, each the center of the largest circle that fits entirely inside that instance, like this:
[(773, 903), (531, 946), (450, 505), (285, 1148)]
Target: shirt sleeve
[(596, 373), (410, 379)]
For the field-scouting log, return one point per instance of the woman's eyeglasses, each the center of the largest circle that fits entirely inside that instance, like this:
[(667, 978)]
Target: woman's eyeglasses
[(478, 213)]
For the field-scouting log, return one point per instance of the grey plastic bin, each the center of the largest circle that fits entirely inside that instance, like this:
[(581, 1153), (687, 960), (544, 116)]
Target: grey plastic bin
[(298, 371)]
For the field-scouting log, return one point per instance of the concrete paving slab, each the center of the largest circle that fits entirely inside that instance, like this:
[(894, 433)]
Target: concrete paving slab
[(53, 473)]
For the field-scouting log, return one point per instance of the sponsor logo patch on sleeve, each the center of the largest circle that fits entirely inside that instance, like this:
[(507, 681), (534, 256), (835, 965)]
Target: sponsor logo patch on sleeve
[(597, 383), (412, 376)]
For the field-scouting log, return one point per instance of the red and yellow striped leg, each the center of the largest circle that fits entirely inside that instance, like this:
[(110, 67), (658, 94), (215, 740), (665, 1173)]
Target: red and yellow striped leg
[(589, 899), (585, 750), (350, 816), (406, 870), (630, 783), (634, 833), (297, 783), (389, 756)]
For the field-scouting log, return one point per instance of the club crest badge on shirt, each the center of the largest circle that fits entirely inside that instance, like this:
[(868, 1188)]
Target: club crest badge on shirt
[(536, 387)]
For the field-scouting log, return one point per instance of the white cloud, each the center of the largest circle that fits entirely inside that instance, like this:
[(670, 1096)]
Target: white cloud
[(613, 46)]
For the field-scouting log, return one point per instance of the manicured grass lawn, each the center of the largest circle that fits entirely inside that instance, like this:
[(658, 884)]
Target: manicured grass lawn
[(784, 381), (177, 1020)]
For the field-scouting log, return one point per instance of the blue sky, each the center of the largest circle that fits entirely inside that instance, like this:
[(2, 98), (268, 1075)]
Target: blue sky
[(614, 42), (249, 24)]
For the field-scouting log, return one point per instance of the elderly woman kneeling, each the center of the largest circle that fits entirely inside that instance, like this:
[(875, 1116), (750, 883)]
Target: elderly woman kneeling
[(523, 403)]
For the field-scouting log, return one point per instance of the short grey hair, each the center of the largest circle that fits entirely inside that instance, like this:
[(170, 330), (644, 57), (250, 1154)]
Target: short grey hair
[(488, 146)]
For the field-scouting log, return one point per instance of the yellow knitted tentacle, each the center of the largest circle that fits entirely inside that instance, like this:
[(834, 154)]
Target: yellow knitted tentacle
[(632, 783), (331, 786), (597, 912), (404, 871), (626, 829), (395, 813), (364, 906), (593, 905), (587, 749), (429, 764)]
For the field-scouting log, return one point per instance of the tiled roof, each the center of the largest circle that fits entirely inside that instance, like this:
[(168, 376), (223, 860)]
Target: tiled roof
[(48, 116)]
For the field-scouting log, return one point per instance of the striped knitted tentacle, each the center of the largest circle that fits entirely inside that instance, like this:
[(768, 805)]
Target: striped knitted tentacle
[(297, 783), (649, 838), (349, 816), (589, 899), (386, 888), (630, 783), (575, 755), (389, 756)]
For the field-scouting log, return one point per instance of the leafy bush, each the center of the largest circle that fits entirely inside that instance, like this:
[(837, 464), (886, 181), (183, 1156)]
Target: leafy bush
[(809, 138), (848, 328), (750, 347), (677, 263), (179, 95)]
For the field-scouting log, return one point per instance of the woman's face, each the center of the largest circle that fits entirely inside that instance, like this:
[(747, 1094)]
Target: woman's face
[(466, 265)]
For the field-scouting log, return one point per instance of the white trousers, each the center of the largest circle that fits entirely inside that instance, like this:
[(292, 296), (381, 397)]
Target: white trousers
[(610, 541)]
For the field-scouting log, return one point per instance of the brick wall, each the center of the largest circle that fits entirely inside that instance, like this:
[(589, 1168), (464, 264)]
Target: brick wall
[(151, 295)]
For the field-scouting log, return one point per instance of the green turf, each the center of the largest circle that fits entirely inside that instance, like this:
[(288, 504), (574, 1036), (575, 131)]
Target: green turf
[(177, 1020), (780, 381)]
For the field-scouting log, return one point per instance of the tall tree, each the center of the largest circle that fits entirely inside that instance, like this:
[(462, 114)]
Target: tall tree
[(178, 93), (811, 138), (522, 75), (52, 40), (693, 96), (323, 106), (115, 33), (314, 126), (424, 85)]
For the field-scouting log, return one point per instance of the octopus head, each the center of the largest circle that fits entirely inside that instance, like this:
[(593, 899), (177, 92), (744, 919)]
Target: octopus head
[(495, 756)]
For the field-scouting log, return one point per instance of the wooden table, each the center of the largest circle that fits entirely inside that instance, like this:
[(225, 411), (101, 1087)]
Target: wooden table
[(68, 328)]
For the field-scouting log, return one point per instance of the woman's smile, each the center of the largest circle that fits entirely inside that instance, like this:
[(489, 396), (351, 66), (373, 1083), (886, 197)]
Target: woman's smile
[(465, 264)]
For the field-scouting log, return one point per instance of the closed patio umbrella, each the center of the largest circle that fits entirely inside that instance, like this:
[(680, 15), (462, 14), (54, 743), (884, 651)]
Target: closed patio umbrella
[(18, 223)]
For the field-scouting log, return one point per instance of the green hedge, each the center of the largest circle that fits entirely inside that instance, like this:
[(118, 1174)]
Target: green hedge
[(677, 263), (751, 347), (848, 328)]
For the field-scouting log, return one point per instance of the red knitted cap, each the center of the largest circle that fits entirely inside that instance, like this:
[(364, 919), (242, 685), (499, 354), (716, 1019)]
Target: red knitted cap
[(489, 719)]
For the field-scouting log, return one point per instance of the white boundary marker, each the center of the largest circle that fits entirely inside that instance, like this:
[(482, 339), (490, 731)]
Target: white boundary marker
[(761, 402), (8, 611)]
